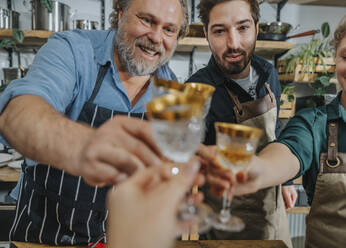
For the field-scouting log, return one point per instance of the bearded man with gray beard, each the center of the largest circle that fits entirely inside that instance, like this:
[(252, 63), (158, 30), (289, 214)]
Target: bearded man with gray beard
[(67, 118)]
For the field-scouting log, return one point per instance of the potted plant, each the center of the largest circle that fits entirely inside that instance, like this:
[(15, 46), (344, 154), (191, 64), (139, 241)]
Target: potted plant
[(9, 43), (310, 61), (48, 4), (287, 101)]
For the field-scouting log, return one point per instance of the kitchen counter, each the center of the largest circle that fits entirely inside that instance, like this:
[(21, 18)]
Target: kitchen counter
[(194, 244)]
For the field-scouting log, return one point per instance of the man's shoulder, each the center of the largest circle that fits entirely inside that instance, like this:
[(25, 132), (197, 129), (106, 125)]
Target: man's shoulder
[(94, 37), (203, 75), (263, 63)]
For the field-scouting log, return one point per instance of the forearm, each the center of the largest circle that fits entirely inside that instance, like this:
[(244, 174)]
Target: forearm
[(40, 133), (277, 164)]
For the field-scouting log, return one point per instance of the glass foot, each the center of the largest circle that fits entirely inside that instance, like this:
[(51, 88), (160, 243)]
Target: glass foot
[(231, 224), (195, 219)]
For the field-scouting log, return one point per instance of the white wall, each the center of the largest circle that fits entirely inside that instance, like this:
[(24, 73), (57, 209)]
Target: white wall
[(309, 17)]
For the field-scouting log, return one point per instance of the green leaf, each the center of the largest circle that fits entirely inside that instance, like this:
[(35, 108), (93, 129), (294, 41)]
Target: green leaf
[(7, 43), (325, 81), (290, 98), (48, 4), (319, 91), (325, 28), (18, 35)]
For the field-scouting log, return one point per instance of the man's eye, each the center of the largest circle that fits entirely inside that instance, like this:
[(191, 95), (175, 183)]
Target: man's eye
[(145, 19), (170, 30), (244, 27), (219, 31)]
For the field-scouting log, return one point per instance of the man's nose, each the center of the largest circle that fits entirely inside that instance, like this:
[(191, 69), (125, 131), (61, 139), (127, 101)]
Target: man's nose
[(233, 40), (155, 35)]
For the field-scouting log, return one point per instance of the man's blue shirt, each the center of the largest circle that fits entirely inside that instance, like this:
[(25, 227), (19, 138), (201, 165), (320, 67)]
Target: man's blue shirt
[(64, 73)]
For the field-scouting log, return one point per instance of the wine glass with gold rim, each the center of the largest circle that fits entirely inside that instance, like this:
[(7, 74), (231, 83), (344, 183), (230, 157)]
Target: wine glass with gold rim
[(236, 144), (177, 126), (163, 87), (202, 90)]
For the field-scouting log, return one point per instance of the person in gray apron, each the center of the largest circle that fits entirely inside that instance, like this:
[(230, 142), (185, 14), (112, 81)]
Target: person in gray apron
[(247, 92), (313, 144), (66, 116)]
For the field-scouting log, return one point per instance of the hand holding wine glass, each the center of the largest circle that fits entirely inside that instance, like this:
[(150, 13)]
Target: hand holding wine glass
[(236, 145)]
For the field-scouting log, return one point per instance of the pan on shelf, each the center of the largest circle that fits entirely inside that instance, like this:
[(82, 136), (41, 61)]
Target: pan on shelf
[(278, 31)]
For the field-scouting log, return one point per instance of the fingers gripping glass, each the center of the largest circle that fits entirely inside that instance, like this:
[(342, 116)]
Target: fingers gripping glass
[(236, 145)]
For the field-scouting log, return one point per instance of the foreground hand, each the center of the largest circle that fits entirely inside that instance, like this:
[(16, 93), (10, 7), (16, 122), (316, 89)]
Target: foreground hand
[(218, 178), (116, 150), (143, 209), (290, 195)]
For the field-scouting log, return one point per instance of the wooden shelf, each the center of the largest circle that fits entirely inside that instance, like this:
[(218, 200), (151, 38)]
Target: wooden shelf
[(340, 3), (298, 210), (31, 37), (266, 49), (8, 174)]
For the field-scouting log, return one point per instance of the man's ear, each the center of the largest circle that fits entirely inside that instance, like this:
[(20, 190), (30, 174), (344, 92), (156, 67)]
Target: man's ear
[(257, 28), (120, 14), (205, 33)]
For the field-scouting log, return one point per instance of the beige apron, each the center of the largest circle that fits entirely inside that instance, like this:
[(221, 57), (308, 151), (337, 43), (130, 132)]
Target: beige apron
[(326, 222), (264, 212)]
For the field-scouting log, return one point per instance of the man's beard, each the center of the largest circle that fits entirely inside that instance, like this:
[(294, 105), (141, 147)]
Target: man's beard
[(236, 67), (134, 64)]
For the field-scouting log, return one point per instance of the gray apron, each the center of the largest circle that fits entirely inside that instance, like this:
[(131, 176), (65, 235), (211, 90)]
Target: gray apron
[(263, 212), (326, 222)]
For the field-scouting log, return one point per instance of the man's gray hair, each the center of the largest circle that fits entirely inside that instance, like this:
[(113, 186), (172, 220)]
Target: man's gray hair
[(125, 4)]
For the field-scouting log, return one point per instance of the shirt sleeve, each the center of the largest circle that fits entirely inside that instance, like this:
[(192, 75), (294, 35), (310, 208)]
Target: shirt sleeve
[(52, 75), (298, 137)]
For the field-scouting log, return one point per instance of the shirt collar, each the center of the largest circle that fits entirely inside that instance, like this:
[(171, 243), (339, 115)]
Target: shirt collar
[(220, 77), (104, 48), (335, 110)]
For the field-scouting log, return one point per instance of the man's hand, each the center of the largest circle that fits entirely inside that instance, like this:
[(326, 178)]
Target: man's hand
[(218, 178), (290, 195), (143, 209), (116, 150)]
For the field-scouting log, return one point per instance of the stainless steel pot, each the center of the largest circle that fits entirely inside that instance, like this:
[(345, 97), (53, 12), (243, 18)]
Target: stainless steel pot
[(85, 24), (12, 73), (58, 20), (9, 19)]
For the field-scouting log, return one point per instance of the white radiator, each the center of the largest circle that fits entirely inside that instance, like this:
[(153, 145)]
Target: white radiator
[(297, 229)]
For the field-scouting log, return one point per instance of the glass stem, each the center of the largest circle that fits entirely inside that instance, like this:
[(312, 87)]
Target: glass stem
[(225, 213)]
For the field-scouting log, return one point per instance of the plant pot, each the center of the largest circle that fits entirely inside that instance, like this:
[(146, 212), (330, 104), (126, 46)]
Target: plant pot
[(287, 108)]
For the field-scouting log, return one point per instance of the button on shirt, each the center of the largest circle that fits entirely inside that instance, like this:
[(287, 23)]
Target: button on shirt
[(64, 73), (306, 136)]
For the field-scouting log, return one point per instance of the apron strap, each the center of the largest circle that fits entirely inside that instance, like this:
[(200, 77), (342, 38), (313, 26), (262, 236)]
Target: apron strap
[(235, 101), (100, 76), (271, 94), (332, 141)]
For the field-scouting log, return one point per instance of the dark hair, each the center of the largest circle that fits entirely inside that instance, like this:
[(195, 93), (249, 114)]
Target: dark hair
[(205, 6), (339, 33), (125, 4)]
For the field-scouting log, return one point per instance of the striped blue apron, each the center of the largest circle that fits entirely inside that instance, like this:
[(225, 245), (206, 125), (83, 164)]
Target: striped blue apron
[(57, 208)]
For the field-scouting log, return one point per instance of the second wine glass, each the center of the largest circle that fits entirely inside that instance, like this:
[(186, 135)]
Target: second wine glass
[(236, 144)]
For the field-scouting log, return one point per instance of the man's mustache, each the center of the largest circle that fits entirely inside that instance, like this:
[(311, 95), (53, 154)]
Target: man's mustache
[(233, 51), (144, 42)]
